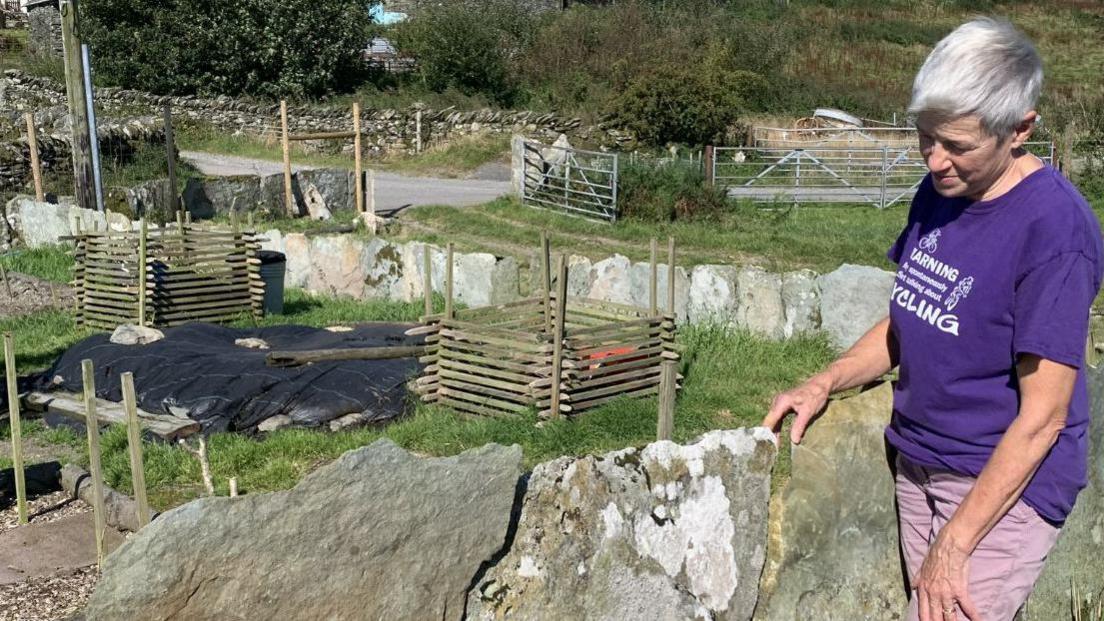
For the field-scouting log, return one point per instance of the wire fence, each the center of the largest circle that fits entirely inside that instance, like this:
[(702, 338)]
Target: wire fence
[(829, 174)]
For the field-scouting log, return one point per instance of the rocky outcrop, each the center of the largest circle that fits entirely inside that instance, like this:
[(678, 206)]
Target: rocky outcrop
[(834, 530), (1079, 554), (759, 302), (666, 532), (376, 534)]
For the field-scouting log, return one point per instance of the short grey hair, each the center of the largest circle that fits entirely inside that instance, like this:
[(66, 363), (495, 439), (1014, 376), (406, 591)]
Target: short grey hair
[(985, 68)]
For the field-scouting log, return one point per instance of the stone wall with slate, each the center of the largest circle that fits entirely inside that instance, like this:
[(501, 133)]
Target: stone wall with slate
[(44, 30), (385, 130)]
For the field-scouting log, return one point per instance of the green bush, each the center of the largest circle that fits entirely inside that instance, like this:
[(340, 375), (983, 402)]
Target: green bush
[(681, 105), (471, 50), (270, 48), (663, 192)]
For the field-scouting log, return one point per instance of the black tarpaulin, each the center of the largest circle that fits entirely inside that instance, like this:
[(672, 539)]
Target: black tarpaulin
[(198, 371)]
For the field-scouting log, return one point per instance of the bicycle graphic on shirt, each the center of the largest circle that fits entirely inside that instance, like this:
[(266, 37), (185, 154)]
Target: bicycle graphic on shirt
[(930, 242), (961, 290)]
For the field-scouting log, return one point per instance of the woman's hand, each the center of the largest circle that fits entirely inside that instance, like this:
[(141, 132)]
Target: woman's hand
[(942, 582), (807, 401)]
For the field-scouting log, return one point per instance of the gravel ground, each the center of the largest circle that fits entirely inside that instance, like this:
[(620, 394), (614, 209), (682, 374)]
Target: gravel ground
[(30, 294), (48, 599), (42, 510), (51, 598)]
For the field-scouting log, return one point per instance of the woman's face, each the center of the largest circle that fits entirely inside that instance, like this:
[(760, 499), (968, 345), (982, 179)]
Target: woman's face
[(964, 160)]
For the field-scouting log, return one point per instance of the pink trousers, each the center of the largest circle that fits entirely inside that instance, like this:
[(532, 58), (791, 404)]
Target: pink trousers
[(1006, 563)]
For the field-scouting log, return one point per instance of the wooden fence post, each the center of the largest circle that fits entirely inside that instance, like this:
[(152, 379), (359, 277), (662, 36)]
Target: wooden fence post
[(92, 425), (558, 335), (671, 275), (653, 283), (418, 131), (665, 424), (427, 279), (16, 429), (81, 141), (170, 154), (36, 164), (448, 282), (708, 162), (143, 232), (356, 159), (546, 279), (372, 194), (134, 443), (289, 198)]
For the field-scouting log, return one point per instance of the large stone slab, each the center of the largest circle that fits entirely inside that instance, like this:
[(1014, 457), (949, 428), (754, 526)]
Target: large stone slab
[(297, 251), (43, 549), (383, 270), (834, 548), (641, 283), (713, 295), (667, 532), (759, 307), (611, 280), (205, 198), (337, 187), (38, 224), (338, 266), (852, 299), (377, 534), (1079, 553), (480, 279)]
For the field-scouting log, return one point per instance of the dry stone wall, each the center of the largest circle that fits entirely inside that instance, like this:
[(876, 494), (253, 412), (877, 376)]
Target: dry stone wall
[(385, 130)]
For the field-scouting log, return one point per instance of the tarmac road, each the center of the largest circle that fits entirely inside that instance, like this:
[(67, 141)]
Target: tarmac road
[(393, 191)]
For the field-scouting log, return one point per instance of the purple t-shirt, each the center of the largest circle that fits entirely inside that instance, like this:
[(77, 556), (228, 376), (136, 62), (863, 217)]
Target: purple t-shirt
[(979, 283)]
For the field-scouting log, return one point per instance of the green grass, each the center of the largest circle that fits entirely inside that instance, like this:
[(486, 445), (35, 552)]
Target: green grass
[(51, 263), (820, 237), (456, 159)]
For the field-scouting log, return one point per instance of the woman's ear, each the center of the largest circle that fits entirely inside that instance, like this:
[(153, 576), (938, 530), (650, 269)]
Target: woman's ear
[(1023, 131)]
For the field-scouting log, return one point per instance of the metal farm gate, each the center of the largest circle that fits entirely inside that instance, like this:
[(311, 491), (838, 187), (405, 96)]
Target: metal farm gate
[(880, 176), (578, 182)]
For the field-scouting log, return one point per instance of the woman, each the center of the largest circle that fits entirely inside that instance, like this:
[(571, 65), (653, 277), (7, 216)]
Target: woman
[(997, 268)]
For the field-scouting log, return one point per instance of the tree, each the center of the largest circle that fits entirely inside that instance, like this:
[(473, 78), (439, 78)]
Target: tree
[(271, 48)]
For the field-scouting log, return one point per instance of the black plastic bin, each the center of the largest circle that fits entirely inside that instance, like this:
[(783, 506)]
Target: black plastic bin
[(273, 265)]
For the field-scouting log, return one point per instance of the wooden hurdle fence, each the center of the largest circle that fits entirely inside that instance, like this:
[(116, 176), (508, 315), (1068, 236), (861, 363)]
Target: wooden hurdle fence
[(552, 352), (167, 276)]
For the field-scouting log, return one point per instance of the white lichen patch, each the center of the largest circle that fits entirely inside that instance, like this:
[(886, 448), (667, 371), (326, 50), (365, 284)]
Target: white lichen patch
[(613, 521), (528, 568), (581, 568), (700, 542), (738, 442)]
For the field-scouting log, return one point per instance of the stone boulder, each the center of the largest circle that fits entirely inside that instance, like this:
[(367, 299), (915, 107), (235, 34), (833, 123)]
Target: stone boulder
[(611, 280), (640, 281), (713, 294), (667, 532), (481, 279), (759, 307), (337, 265), (383, 270), (852, 299), (204, 198), (1079, 553), (38, 224), (336, 187), (376, 534), (834, 548), (297, 251)]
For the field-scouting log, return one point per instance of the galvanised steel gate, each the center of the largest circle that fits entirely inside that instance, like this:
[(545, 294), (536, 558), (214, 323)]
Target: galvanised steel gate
[(830, 174), (578, 182)]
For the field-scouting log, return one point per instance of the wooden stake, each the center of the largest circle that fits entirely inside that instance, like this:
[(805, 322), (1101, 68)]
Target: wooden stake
[(418, 131), (356, 158), (170, 154), (134, 443), (558, 335), (143, 233), (546, 280), (427, 279), (665, 425), (653, 306), (16, 428), (289, 198), (671, 275), (448, 282), (36, 165), (80, 142), (91, 423), (233, 487), (188, 217)]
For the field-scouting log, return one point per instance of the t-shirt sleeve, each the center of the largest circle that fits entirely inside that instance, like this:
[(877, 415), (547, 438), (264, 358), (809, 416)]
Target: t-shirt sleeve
[(1052, 309)]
